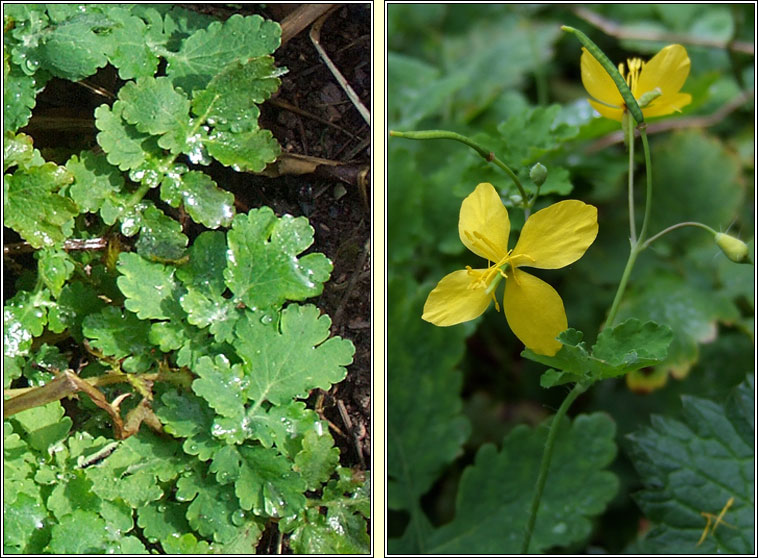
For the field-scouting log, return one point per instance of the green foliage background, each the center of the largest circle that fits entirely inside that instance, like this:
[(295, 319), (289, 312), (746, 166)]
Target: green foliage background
[(464, 409)]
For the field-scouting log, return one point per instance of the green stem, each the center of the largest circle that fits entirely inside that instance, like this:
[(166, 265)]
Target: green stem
[(622, 284), (638, 245), (649, 182), (547, 456), (655, 237), (138, 194), (632, 219), (486, 154)]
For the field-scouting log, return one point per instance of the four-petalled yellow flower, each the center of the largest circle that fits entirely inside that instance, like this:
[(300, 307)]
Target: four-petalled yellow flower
[(551, 238), (663, 75)]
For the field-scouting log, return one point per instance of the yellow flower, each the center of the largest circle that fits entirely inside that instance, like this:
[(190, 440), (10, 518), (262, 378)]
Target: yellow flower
[(666, 71), (550, 239)]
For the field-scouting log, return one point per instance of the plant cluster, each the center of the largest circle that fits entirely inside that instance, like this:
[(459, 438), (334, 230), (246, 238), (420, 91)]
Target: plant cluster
[(186, 425)]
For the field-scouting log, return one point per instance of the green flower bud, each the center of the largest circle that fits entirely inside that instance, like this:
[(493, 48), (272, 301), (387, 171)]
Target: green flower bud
[(650, 96), (538, 174), (734, 248)]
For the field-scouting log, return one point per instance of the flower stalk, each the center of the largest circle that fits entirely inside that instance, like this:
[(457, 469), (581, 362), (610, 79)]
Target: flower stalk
[(486, 154), (545, 464)]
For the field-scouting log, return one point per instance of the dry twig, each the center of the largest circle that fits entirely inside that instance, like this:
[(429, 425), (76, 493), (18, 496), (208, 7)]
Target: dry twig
[(315, 36)]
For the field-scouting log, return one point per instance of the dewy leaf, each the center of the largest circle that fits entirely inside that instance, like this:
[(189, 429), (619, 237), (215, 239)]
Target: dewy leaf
[(286, 360), (204, 52), (129, 49), (207, 261), (251, 150), (73, 51), (124, 145), (318, 458), (18, 150), (44, 426), (694, 467), (32, 206), (186, 415), (495, 492), (629, 346), (267, 485), (19, 98), (149, 288), (155, 107), (263, 270), (161, 237), (55, 268), (343, 530), (94, 180), (120, 335), (231, 98), (212, 507), (24, 317), (221, 385), (205, 202)]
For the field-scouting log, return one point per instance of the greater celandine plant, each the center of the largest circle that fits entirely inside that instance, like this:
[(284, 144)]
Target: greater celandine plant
[(559, 235)]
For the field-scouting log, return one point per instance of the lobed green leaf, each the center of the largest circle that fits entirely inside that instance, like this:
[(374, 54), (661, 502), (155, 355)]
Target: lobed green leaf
[(263, 269), (696, 466), (34, 208), (495, 493), (286, 360), (624, 348)]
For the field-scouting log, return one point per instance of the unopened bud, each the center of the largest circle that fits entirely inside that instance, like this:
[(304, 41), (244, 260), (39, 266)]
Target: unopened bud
[(538, 174), (734, 248), (648, 97)]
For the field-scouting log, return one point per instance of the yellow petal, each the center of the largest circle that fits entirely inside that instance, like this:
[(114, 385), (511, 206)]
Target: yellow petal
[(672, 103), (483, 216), (598, 82), (558, 235), (668, 70), (452, 302), (534, 311)]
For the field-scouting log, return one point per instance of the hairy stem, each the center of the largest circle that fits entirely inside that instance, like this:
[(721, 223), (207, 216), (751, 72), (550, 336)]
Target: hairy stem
[(486, 154)]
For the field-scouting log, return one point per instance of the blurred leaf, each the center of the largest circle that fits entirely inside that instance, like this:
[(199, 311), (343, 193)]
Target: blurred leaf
[(495, 55), (496, 491), (695, 466), (691, 171), (691, 312), (416, 90), (425, 422)]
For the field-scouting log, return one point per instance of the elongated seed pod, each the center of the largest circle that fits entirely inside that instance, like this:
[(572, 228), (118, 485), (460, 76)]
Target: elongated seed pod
[(626, 93)]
